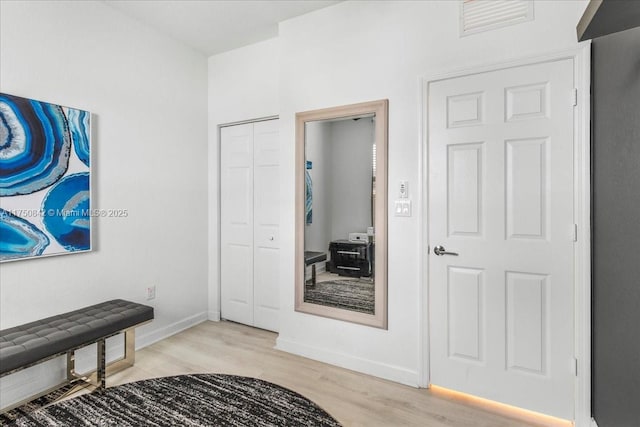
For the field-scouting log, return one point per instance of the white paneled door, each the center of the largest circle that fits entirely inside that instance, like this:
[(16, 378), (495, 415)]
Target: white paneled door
[(501, 198), (266, 219), (236, 223), (249, 223)]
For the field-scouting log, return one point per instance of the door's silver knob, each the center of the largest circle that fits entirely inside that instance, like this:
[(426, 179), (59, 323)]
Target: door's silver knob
[(271, 238), (440, 250)]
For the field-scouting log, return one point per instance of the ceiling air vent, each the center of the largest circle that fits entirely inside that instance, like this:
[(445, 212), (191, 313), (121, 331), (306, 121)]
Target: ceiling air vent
[(483, 15)]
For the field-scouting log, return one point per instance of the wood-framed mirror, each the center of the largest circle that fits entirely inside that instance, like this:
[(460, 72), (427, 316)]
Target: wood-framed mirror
[(341, 213)]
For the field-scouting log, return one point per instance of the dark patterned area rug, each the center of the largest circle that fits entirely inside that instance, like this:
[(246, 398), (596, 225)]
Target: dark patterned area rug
[(347, 294), (185, 400), (7, 417)]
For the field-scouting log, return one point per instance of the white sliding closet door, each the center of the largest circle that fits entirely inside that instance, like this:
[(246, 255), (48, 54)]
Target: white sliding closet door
[(249, 240)]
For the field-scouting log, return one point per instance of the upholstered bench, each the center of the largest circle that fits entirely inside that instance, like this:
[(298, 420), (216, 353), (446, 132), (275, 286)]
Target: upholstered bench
[(26, 345)]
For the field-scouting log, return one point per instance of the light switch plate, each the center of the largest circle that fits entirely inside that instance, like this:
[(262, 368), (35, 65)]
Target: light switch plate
[(402, 208)]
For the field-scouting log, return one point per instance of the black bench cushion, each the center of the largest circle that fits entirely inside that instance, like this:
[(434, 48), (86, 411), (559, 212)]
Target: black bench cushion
[(29, 343)]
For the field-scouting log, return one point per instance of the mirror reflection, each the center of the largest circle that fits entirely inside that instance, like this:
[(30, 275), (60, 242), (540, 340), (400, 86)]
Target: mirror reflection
[(339, 238)]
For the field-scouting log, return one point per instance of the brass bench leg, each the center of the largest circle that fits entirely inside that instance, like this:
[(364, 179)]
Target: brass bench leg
[(101, 362), (130, 346), (98, 378), (129, 354), (71, 366)]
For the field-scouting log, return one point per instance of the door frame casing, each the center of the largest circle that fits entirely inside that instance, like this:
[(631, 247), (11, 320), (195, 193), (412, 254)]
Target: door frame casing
[(218, 242), (582, 215)]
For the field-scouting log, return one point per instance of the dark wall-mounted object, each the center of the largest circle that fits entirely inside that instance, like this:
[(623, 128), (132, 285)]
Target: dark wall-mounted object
[(603, 17), (616, 229)]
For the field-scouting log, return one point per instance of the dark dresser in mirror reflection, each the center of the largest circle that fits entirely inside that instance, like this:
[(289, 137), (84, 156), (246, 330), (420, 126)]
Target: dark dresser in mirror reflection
[(352, 259)]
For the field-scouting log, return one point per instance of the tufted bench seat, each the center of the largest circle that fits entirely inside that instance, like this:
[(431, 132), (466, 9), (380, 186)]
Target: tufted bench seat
[(25, 345)]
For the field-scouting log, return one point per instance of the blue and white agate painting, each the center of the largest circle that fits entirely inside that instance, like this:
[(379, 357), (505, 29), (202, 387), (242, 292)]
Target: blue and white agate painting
[(45, 180)]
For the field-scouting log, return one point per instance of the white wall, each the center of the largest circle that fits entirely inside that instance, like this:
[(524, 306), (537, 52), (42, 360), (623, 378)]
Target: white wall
[(243, 85), (361, 51), (148, 97)]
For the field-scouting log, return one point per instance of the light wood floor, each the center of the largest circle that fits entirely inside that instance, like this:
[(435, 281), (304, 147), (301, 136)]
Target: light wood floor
[(353, 399)]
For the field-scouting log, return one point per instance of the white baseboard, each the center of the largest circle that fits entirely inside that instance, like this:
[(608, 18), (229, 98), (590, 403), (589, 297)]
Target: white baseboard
[(30, 381), (214, 316), (156, 335), (358, 364), (593, 423)]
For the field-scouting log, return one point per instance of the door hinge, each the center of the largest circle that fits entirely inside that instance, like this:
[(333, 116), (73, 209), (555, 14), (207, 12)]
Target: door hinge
[(575, 366), (575, 232), (575, 97)]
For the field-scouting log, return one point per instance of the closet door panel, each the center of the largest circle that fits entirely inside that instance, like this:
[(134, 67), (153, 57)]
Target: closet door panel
[(266, 309), (266, 224), (236, 223)]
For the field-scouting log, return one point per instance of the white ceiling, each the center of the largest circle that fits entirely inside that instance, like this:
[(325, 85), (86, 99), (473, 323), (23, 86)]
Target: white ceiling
[(214, 26)]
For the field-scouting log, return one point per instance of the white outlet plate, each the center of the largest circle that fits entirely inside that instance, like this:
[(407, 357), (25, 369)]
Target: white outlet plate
[(151, 292)]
